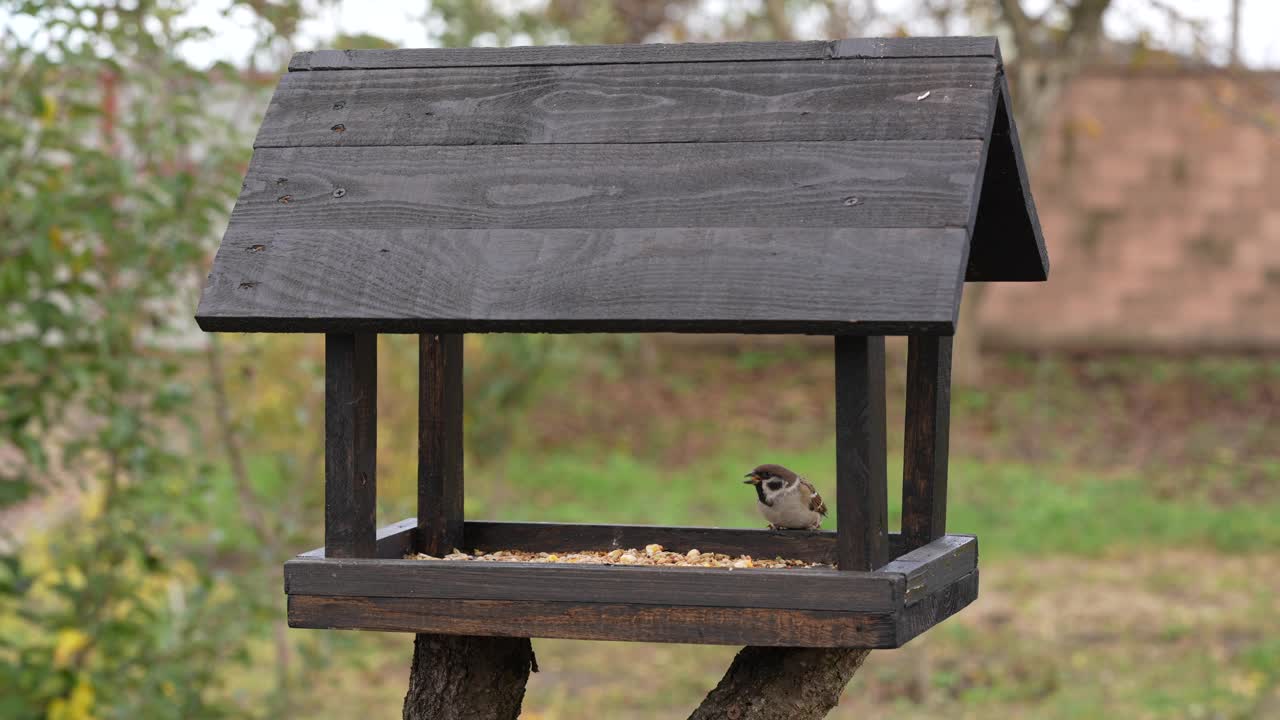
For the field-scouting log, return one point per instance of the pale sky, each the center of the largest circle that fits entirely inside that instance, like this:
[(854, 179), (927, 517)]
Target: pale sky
[(401, 22)]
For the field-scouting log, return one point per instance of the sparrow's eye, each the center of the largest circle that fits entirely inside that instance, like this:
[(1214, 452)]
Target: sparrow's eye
[(775, 485)]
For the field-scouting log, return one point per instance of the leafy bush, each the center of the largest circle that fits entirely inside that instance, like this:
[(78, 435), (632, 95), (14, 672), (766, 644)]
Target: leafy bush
[(117, 177)]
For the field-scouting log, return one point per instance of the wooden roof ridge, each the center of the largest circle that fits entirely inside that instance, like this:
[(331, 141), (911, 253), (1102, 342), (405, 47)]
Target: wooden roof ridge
[(896, 47)]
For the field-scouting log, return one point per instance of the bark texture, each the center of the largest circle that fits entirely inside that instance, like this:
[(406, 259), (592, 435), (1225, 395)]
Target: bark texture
[(767, 683), (480, 678), (468, 678)]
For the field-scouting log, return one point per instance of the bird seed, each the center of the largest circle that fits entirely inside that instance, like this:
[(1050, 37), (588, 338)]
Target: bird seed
[(651, 555)]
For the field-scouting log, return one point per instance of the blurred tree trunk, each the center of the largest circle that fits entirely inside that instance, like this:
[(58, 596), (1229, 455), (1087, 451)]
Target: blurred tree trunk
[(468, 678), (1045, 57), (1233, 52)]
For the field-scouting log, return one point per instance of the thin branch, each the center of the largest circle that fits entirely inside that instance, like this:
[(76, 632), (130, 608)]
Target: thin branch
[(776, 13), (1019, 24), (1085, 29)]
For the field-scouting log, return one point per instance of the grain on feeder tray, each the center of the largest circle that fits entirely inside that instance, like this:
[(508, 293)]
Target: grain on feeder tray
[(651, 555)]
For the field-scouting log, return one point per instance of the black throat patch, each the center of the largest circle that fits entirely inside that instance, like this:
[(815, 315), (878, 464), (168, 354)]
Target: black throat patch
[(760, 494)]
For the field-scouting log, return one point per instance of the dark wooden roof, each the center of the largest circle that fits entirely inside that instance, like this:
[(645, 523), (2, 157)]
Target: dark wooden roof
[(822, 187)]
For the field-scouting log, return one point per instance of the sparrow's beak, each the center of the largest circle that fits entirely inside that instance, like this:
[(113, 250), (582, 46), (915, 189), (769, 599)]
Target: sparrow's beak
[(751, 480)]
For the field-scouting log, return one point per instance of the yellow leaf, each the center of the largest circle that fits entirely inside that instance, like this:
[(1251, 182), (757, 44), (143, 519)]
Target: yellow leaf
[(76, 706), (49, 110), (70, 641), (55, 238), (92, 505), (74, 577), (80, 704)]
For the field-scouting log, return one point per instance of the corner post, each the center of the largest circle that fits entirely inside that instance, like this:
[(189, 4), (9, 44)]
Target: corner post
[(440, 488), (928, 429), (350, 423), (862, 502)]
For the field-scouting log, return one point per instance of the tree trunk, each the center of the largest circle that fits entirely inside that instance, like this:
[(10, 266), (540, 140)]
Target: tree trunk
[(966, 351), (468, 678), (480, 678), (768, 683)]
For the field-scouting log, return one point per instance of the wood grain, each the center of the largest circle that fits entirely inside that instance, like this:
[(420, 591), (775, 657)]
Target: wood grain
[(440, 479), (926, 183), (861, 481), (926, 439), (597, 621), (617, 139), (804, 589), (936, 565), (936, 607), (679, 102), (645, 53), (718, 280), (393, 541), (904, 598), (351, 411)]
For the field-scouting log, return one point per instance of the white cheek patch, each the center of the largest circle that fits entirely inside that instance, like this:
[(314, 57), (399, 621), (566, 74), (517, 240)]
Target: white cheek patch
[(772, 494)]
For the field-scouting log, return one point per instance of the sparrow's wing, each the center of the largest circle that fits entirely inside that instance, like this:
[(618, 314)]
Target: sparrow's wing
[(815, 500)]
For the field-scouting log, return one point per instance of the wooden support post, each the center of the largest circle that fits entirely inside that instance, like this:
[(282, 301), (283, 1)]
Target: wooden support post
[(439, 443), (924, 470), (350, 439), (862, 502)]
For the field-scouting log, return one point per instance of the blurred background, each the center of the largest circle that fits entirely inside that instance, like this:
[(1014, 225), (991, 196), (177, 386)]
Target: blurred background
[(1115, 433)]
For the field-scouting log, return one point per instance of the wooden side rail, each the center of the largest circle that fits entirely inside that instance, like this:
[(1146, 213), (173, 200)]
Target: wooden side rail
[(602, 621), (822, 607), (397, 540)]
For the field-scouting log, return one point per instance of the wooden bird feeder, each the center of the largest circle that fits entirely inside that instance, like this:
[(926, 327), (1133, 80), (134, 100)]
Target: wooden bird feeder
[(841, 188)]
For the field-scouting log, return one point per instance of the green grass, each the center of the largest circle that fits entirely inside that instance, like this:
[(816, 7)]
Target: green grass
[(1016, 509), (1115, 583)]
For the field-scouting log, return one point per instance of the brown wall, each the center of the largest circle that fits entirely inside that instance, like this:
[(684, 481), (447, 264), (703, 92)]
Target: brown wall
[(1159, 192)]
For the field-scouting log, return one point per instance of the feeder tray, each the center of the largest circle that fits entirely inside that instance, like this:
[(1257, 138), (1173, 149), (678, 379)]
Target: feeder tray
[(815, 606), (844, 188)]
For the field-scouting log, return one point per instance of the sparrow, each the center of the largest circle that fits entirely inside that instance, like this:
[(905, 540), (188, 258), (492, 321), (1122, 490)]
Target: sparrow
[(787, 501)]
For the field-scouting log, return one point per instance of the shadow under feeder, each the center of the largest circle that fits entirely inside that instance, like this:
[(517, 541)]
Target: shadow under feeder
[(865, 180)]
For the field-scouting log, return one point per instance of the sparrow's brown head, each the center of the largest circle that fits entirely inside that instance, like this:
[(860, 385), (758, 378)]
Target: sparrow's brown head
[(771, 476)]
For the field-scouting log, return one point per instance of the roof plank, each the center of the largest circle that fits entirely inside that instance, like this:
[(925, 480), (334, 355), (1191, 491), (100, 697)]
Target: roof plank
[(823, 184), (575, 280), (856, 99)]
